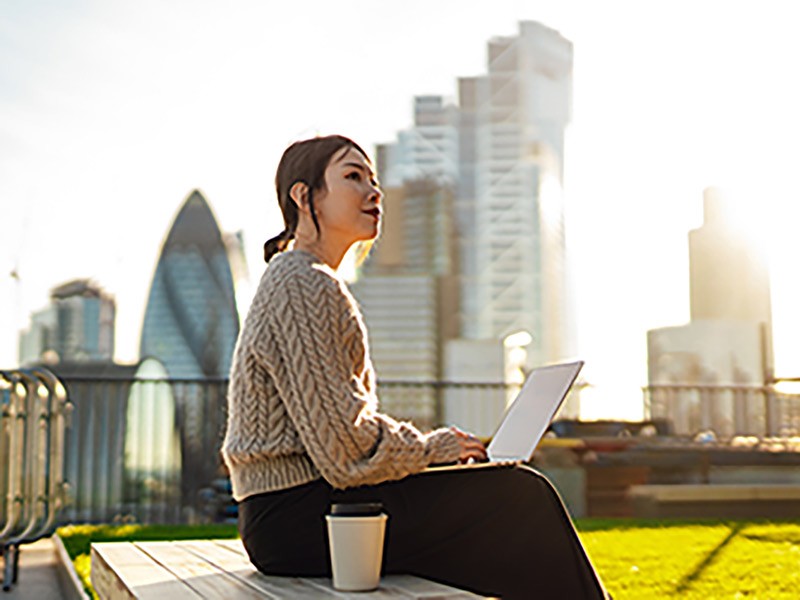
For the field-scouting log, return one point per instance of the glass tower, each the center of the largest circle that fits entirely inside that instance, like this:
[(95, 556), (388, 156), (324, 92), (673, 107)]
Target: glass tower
[(191, 322)]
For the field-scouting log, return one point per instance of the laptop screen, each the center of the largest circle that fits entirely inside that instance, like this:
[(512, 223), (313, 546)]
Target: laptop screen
[(529, 415)]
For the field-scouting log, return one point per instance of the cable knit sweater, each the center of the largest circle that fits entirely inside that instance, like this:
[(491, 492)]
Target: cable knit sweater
[(301, 399)]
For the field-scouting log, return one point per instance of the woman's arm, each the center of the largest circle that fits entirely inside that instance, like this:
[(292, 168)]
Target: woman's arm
[(317, 356)]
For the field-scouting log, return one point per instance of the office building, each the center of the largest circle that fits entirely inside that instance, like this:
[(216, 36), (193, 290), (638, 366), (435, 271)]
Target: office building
[(426, 151), (513, 275), (408, 295), (191, 322), (728, 339), (77, 326), (506, 140), (501, 151), (728, 276)]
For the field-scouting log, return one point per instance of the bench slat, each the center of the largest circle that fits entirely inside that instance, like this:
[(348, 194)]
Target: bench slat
[(120, 571), (425, 588), (235, 561), (199, 574), (221, 569), (397, 585)]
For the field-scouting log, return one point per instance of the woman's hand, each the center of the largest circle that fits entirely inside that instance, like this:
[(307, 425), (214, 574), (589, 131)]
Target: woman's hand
[(472, 449)]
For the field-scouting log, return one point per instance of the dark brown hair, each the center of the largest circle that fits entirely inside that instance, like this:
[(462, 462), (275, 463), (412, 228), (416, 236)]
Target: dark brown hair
[(303, 161)]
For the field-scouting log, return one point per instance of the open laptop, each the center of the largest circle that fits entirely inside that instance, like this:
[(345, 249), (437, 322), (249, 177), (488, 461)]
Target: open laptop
[(527, 418)]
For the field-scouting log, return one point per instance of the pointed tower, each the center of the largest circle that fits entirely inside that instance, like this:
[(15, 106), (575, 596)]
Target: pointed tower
[(191, 322)]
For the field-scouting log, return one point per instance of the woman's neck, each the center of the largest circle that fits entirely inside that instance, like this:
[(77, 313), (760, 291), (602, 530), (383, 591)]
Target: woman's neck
[(330, 256)]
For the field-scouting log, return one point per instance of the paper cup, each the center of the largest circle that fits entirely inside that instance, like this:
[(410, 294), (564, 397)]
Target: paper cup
[(356, 548)]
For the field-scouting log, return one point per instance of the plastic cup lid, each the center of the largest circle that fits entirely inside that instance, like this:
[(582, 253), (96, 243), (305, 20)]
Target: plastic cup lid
[(362, 509)]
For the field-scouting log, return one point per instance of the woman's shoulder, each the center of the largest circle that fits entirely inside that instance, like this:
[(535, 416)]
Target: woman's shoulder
[(299, 269)]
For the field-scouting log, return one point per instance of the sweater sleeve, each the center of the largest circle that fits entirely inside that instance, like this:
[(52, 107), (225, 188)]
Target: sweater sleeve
[(318, 353)]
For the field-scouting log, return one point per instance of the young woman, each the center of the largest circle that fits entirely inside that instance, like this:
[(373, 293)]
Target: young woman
[(304, 429)]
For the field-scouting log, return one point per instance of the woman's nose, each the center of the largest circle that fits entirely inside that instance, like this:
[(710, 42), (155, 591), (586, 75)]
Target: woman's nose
[(376, 195)]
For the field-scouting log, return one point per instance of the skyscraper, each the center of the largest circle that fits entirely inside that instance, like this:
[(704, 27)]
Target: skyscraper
[(191, 322), (78, 326), (499, 156), (728, 339), (728, 278), (502, 149), (426, 151), (409, 296), (510, 206)]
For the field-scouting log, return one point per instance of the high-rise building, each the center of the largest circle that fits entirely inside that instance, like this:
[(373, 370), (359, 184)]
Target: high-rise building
[(511, 214), (728, 339), (728, 277), (501, 151), (77, 326), (426, 151), (408, 294), (502, 148), (191, 322)]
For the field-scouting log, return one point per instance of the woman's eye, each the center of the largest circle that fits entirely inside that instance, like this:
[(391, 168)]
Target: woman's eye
[(355, 176)]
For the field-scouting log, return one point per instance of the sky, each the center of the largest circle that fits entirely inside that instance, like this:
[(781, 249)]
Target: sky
[(112, 112)]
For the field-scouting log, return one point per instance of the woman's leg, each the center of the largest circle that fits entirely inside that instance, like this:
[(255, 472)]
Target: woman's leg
[(284, 532), (496, 531)]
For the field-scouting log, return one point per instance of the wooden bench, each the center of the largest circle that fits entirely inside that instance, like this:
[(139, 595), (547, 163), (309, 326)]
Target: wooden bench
[(718, 500), (221, 569)]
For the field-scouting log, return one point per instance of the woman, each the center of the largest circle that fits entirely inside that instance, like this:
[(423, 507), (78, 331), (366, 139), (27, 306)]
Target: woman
[(304, 430)]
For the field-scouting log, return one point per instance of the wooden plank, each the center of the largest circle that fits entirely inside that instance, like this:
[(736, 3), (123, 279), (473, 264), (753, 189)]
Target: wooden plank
[(233, 556), (235, 561), (233, 546), (418, 587), (716, 492), (325, 586), (396, 586), (208, 580), (120, 571), (221, 569)]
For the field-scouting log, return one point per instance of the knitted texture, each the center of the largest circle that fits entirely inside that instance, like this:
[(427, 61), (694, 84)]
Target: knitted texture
[(302, 402)]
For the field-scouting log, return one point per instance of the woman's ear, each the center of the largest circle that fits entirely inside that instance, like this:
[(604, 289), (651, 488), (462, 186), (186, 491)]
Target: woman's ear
[(299, 195)]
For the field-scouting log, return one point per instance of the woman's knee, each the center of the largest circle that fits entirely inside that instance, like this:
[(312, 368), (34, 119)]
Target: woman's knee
[(537, 484)]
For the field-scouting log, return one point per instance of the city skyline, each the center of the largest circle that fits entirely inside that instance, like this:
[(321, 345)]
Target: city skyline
[(112, 115)]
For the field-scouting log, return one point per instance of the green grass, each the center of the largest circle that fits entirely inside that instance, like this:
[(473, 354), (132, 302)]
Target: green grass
[(636, 559), (696, 560)]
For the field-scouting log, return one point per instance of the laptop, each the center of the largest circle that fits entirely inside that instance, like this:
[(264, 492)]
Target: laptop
[(527, 418)]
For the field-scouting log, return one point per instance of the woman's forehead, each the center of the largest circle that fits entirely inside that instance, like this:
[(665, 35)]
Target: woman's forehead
[(348, 154), (351, 157)]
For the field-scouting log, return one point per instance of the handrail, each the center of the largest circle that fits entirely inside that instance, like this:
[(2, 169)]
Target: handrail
[(726, 409), (35, 409), (11, 415)]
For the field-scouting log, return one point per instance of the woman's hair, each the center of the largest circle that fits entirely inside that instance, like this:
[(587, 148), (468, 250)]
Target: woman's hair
[(305, 162)]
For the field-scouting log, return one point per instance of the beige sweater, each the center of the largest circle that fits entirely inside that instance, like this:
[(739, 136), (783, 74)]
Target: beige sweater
[(301, 399)]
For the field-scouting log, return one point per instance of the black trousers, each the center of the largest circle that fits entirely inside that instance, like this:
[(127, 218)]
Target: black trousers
[(494, 531)]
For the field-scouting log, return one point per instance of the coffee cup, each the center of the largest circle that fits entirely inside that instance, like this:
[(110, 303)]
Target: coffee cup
[(355, 536)]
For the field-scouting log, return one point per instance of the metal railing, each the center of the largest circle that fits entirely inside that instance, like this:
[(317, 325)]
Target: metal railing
[(727, 410), (34, 411), (141, 450), (148, 450)]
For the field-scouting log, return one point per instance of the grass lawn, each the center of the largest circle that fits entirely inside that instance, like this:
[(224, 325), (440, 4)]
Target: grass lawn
[(636, 559), (696, 559)]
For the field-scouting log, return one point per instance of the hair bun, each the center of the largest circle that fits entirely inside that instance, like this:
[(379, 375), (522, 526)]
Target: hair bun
[(277, 244)]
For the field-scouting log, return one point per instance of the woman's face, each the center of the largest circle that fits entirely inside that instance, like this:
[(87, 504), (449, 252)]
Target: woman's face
[(349, 209)]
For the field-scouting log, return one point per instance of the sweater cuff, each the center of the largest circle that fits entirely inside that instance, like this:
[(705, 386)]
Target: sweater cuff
[(442, 446)]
